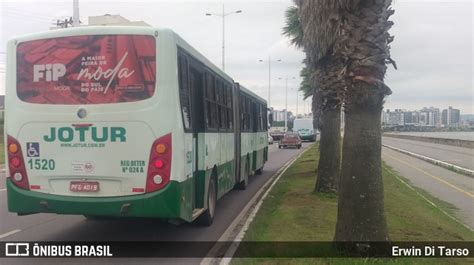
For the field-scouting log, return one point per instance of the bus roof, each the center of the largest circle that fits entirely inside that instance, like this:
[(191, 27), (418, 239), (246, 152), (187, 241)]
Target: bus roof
[(209, 64), (253, 94), (86, 30)]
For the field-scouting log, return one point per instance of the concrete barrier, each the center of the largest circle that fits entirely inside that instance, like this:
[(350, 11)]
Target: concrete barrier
[(445, 141), (457, 169)]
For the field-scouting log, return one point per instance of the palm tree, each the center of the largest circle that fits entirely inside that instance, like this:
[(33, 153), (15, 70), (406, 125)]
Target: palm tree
[(356, 32), (364, 46), (326, 104)]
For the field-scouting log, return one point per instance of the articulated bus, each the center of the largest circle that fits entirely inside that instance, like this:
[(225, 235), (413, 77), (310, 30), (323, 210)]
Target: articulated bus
[(125, 121)]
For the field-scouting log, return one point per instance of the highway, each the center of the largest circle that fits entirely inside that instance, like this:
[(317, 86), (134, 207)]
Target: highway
[(459, 156), (51, 227), (453, 188)]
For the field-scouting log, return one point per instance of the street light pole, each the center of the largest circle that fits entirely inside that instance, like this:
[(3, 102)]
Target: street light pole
[(270, 76), (296, 104), (286, 104), (223, 39), (75, 16), (223, 15), (286, 101)]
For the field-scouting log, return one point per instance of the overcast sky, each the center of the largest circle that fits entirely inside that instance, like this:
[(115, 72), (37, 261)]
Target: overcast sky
[(433, 43)]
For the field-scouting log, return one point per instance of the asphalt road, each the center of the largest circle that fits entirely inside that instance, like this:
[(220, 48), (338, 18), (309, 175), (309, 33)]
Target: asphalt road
[(460, 156), (51, 227), (446, 185)]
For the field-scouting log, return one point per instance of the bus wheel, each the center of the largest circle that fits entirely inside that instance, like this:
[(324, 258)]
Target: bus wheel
[(259, 171), (207, 217)]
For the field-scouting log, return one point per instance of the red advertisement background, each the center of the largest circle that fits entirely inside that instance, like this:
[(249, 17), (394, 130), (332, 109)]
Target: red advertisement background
[(77, 53)]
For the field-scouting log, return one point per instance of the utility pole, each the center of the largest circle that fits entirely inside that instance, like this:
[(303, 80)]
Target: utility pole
[(296, 115), (75, 16), (286, 100), (223, 39), (269, 76), (286, 104), (223, 15)]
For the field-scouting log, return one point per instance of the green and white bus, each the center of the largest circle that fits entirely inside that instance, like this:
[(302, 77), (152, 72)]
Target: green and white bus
[(125, 121)]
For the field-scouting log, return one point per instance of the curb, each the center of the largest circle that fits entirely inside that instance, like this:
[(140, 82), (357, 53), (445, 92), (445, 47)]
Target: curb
[(449, 166), (236, 230)]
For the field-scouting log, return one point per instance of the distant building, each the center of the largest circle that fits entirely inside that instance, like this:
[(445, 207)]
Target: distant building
[(453, 117), (444, 117), (415, 117), (431, 117), (278, 115), (426, 117)]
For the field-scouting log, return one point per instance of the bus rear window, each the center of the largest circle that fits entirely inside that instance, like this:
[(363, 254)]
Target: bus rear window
[(93, 69)]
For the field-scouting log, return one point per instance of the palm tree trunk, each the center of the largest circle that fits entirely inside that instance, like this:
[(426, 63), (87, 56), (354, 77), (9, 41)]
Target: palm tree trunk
[(330, 151), (361, 214)]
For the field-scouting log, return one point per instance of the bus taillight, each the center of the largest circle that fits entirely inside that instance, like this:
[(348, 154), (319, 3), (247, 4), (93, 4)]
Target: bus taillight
[(159, 166), (16, 164)]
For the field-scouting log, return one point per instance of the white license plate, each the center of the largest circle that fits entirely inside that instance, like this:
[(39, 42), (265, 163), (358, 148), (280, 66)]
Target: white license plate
[(84, 186)]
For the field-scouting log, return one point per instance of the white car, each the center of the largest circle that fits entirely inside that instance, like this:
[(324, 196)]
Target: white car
[(270, 140)]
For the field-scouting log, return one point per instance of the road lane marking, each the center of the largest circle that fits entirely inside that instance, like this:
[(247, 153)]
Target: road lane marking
[(246, 216), (10, 233), (435, 177), (427, 200), (3, 189)]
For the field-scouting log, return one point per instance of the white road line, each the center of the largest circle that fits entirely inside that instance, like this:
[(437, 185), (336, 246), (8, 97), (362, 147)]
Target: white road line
[(3, 189), (427, 200), (236, 230), (10, 233)]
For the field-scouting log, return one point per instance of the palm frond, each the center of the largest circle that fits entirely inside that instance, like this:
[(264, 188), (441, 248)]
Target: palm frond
[(292, 28)]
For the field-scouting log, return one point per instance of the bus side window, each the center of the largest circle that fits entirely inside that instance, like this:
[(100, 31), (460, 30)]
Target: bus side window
[(242, 113), (265, 121), (248, 103), (221, 105), (211, 108), (230, 111), (184, 87)]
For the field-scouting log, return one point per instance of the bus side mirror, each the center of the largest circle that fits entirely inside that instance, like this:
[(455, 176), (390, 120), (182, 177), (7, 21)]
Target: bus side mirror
[(270, 119)]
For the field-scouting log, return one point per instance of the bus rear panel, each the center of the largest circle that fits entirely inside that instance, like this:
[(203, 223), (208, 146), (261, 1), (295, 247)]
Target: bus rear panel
[(79, 136)]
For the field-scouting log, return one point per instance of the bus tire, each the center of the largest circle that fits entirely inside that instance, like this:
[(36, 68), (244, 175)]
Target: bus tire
[(259, 171), (207, 217)]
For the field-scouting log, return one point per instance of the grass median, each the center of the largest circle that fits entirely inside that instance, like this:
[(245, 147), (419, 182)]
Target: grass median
[(293, 212)]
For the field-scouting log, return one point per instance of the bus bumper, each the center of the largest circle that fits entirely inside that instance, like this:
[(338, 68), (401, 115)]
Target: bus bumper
[(161, 204)]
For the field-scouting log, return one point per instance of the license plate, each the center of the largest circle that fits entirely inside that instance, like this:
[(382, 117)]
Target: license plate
[(84, 186)]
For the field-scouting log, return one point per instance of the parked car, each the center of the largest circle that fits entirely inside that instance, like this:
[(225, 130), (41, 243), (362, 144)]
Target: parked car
[(270, 139), (290, 139)]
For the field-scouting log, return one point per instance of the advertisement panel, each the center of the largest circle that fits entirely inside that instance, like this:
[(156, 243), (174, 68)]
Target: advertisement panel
[(93, 69)]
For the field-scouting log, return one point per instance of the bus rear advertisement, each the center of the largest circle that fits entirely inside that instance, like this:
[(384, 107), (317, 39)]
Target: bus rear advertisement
[(125, 121)]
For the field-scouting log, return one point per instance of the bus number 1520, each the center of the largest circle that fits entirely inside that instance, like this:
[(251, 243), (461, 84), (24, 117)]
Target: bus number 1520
[(42, 164)]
